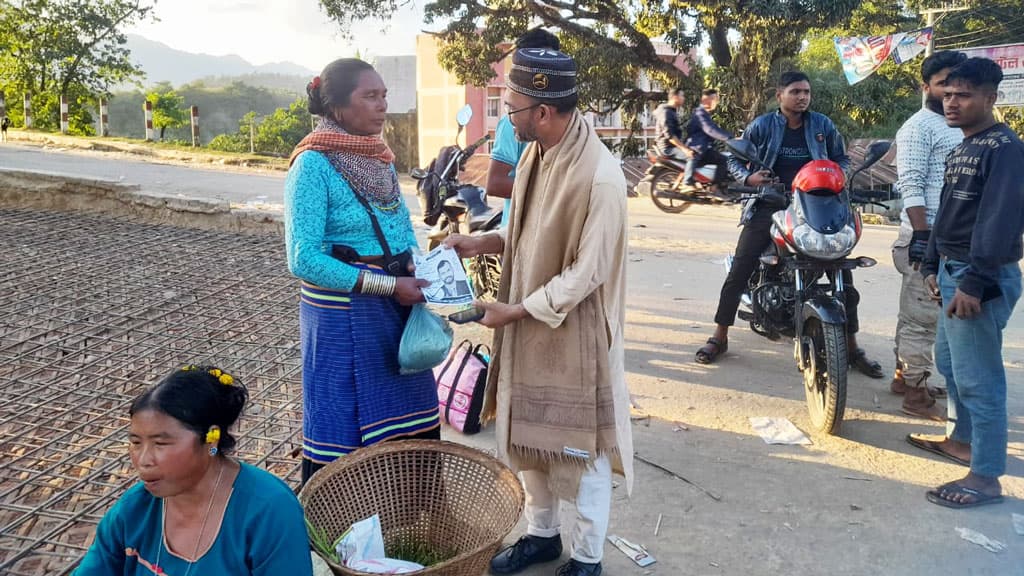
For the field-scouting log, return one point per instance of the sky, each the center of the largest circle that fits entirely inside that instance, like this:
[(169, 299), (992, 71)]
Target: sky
[(264, 31)]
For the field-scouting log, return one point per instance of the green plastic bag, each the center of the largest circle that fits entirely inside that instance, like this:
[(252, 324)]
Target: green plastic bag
[(426, 340)]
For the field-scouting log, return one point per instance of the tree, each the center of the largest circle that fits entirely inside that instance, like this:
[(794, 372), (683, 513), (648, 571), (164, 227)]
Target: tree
[(72, 48), (53, 44), (878, 105), (168, 108), (612, 41), (277, 134), (281, 131)]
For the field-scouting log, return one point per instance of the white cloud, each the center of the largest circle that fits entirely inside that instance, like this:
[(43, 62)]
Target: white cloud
[(263, 31)]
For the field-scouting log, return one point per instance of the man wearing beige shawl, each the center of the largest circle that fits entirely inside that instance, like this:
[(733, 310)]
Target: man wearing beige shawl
[(557, 388)]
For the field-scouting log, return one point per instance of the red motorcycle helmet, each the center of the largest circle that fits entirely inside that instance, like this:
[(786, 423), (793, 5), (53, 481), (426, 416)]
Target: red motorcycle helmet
[(820, 176)]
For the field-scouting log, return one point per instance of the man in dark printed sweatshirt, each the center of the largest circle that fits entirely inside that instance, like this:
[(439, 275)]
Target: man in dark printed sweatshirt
[(971, 267)]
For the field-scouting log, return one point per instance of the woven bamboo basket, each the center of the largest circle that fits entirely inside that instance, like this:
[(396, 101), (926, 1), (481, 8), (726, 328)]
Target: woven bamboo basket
[(439, 494)]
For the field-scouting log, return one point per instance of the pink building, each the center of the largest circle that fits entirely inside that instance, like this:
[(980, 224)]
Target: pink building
[(439, 96)]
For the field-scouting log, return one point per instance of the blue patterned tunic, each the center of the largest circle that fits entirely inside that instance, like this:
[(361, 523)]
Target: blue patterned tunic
[(353, 394)]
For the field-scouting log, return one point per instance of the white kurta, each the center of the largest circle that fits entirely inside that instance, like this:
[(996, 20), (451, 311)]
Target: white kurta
[(599, 264)]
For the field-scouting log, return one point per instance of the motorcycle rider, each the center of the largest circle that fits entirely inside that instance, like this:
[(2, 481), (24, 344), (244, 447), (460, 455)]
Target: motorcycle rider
[(506, 150), (669, 141), (785, 140), (700, 132)]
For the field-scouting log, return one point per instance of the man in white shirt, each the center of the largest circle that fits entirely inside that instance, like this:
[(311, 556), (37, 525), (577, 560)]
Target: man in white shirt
[(922, 145)]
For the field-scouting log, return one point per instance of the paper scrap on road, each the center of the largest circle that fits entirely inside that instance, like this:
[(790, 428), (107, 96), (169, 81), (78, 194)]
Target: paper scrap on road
[(778, 431), (635, 552), (1018, 524), (980, 539)]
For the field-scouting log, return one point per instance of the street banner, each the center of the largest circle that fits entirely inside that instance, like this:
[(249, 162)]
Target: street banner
[(861, 56), (1010, 58), (911, 44)]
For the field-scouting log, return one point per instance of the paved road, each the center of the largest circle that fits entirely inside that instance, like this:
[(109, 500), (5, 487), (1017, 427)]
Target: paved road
[(229, 184), (846, 505)]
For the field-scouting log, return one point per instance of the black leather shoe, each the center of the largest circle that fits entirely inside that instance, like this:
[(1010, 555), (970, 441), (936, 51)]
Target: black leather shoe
[(527, 551), (577, 568)]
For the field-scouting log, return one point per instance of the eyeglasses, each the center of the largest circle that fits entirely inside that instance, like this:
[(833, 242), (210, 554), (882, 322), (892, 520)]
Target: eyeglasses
[(509, 111)]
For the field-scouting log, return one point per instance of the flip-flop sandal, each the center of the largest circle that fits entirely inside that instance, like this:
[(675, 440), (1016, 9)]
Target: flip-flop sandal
[(952, 489), (707, 356), (859, 360), (935, 448)]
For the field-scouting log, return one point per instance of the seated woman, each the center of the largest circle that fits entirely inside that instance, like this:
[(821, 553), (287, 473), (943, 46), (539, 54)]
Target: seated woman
[(196, 510)]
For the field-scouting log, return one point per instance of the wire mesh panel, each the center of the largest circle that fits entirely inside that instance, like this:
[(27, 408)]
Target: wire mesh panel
[(94, 309)]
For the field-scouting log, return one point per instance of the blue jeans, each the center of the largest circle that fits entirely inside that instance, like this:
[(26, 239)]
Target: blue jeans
[(969, 354)]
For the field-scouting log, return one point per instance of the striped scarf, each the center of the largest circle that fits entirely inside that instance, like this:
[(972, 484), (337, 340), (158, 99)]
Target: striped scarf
[(365, 162)]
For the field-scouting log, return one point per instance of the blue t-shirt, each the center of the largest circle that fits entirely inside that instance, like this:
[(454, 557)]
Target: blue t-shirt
[(263, 533), (508, 150)]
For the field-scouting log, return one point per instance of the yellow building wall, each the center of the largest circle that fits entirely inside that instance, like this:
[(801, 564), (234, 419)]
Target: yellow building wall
[(438, 97)]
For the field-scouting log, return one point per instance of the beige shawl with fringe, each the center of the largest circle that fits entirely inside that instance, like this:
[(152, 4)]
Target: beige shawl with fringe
[(557, 382)]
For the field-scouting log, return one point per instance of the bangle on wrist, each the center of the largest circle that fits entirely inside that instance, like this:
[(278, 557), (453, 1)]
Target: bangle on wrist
[(378, 284)]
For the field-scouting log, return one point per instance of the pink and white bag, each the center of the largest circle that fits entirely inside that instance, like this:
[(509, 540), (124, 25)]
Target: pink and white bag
[(461, 381)]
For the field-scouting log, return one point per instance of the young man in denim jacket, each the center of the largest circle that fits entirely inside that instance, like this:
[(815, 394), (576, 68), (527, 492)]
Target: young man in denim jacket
[(785, 140)]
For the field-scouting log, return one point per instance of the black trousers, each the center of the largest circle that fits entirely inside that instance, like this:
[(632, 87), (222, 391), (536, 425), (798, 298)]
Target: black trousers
[(754, 239), (309, 467)]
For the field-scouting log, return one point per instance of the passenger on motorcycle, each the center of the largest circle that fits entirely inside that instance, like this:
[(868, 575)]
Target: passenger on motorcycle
[(669, 141), (701, 132), (786, 140)]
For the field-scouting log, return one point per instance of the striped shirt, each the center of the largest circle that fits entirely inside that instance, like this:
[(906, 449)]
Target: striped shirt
[(922, 145)]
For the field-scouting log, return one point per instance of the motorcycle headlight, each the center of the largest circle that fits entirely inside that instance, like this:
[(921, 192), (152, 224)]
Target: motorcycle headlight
[(824, 246)]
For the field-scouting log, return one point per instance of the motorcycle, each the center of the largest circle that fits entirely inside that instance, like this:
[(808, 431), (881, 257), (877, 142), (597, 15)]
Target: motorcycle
[(797, 290), (664, 182), (452, 207)]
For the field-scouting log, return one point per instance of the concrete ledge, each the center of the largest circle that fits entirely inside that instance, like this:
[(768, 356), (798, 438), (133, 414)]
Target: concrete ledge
[(52, 191), (149, 150)]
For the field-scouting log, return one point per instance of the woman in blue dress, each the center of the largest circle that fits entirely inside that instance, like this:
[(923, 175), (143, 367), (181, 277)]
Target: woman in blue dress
[(349, 238), (196, 510)]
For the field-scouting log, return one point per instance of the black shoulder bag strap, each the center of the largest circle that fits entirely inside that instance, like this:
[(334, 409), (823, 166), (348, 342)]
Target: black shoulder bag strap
[(376, 225), (393, 266)]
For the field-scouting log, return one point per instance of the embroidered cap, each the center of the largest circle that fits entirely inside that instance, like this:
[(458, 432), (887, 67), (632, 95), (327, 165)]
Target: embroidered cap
[(542, 73)]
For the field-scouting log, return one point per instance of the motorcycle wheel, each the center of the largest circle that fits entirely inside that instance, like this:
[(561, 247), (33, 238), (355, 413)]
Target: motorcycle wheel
[(825, 374), (663, 182), (484, 273)]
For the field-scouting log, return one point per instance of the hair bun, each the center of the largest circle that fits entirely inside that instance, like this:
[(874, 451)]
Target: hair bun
[(316, 101)]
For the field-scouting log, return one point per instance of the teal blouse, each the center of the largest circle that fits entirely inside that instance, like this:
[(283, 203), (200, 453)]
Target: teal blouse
[(320, 210), (263, 534)]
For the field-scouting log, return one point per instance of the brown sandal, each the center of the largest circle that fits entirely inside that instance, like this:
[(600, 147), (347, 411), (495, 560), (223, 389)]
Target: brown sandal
[(707, 354)]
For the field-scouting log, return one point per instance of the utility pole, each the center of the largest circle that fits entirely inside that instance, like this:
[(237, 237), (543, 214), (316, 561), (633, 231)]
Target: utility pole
[(929, 15)]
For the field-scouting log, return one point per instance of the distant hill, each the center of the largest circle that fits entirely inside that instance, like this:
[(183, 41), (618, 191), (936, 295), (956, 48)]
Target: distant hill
[(161, 63)]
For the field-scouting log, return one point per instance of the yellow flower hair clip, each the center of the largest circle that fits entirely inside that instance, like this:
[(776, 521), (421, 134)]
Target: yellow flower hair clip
[(221, 376), (213, 436)]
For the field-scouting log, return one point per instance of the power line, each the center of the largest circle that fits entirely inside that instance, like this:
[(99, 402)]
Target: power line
[(1002, 28)]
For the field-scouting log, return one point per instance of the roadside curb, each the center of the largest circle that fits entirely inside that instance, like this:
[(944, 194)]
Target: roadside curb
[(147, 152), (53, 191)]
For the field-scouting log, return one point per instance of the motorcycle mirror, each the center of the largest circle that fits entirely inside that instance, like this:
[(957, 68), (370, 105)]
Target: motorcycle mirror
[(876, 151), (418, 173), (745, 149), (464, 115)]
